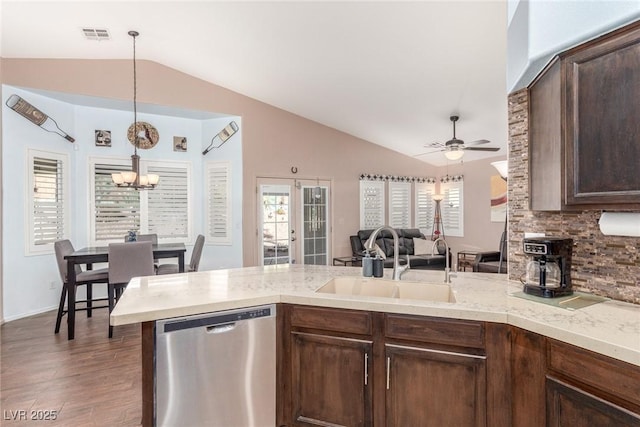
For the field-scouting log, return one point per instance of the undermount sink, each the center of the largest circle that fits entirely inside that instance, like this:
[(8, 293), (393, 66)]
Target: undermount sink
[(386, 288)]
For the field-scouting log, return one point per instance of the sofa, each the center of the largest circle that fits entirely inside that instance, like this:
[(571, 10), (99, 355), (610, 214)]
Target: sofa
[(384, 239)]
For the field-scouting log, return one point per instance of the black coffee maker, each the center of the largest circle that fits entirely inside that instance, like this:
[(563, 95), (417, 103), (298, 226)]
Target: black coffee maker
[(548, 274)]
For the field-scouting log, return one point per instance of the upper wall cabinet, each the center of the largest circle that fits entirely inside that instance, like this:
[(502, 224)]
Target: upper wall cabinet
[(584, 126)]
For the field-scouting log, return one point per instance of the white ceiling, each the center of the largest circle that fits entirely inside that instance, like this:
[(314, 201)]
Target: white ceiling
[(388, 72)]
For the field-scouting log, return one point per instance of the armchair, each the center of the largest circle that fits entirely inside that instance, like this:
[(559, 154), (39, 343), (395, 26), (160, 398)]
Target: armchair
[(492, 261)]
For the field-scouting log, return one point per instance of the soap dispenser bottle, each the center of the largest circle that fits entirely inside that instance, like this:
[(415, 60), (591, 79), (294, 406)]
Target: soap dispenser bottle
[(378, 266), (367, 265)]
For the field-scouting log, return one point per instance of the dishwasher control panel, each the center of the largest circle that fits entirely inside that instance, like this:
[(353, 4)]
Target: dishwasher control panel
[(217, 318)]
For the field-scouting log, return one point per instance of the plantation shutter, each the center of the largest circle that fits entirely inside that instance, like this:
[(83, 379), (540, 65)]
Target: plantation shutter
[(399, 204), (48, 196), (424, 206), (116, 210), (452, 208), (218, 219), (168, 203), (371, 204)]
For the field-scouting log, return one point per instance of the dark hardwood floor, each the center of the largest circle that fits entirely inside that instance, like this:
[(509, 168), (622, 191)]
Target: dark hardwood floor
[(89, 381)]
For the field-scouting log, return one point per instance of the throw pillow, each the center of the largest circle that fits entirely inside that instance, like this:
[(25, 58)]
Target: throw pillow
[(421, 246)]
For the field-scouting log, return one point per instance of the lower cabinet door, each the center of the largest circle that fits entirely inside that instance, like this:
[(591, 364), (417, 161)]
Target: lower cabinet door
[(434, 388), (570, 406), (330, 381)]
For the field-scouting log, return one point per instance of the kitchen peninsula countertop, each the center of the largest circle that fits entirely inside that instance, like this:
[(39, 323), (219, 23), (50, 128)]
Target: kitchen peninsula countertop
[(611, 328)]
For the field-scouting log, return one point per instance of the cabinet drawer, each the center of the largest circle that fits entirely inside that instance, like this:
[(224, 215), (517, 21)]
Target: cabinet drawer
[(328, 319), (600, 372), (459, 333)]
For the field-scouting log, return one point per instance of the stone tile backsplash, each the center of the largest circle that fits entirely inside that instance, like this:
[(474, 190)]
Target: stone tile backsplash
[(603, 265)]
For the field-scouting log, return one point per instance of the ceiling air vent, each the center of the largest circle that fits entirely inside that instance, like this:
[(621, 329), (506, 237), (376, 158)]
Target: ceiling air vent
[(96, 34)]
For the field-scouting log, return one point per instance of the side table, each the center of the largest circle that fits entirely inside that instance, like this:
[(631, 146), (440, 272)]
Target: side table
[(465, 259), (348, 260)]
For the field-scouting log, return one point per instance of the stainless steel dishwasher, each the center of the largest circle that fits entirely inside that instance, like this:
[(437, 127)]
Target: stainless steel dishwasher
[(217, 369)]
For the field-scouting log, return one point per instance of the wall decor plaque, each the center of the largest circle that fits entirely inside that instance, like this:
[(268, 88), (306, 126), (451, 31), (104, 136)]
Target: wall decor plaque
[(147, 135)]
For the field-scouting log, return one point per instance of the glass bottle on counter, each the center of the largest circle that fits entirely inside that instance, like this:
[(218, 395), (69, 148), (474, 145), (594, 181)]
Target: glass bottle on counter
[(31, 113)]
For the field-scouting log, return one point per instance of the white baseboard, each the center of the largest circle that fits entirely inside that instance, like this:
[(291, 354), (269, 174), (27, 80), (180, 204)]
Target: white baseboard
[(28, 314)]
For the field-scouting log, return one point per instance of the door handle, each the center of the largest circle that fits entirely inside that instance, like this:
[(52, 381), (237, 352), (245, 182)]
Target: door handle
[(388, 370), (366, 368)]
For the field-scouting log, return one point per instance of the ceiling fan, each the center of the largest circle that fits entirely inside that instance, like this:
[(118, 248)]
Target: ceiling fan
[(454, 148)]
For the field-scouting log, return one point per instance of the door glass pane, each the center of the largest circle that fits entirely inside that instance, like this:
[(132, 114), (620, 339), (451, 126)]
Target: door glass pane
[(314, 213), (276, 227)]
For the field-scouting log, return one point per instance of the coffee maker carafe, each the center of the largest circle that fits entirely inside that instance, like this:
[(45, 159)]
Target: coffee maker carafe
[(548, 273)]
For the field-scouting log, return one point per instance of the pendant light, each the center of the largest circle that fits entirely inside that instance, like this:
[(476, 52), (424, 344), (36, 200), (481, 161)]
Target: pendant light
[(132, 178)]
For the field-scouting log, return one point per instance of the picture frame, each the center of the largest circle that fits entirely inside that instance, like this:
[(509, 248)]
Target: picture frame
[(103, 138), (180, 143)]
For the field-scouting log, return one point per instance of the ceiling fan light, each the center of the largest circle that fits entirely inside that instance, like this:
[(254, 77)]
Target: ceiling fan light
[(454, 154)]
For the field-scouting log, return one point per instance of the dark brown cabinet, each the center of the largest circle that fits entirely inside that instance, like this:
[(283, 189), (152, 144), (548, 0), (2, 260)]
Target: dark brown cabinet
[(571, 406), (354, 368), (330, 380), (584, 126), (557, 384), (426, 387)]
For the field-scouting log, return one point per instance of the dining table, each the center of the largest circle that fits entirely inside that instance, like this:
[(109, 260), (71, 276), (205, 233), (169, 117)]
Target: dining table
[(99, 254)]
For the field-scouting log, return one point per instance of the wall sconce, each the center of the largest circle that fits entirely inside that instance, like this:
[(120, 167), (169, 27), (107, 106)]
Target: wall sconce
[(223, 135), (502, 167)]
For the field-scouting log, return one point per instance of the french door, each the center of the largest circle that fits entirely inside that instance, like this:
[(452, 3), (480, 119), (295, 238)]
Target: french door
[(293, 221)]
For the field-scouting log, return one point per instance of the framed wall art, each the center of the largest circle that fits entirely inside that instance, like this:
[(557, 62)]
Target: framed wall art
[(103, 138)]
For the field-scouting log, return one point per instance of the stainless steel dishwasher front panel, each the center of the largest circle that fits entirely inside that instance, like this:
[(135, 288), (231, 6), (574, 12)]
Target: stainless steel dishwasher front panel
[(217, 369)]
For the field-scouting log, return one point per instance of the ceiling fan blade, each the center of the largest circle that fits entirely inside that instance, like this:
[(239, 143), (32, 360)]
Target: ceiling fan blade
[(428, 152), (481, 148), (478, 142)]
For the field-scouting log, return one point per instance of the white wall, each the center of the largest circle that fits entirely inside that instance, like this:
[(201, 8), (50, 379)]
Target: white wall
[(27, 280), (540, 29)]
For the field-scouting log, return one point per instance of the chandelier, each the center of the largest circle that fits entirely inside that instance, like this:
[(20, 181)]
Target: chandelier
[(132, 178)]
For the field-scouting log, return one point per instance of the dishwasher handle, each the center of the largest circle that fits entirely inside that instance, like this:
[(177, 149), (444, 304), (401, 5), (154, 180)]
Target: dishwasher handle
[(221, 329), (212, 320)]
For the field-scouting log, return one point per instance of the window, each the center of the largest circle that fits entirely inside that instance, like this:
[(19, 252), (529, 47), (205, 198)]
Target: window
[(48, 210), (399, 204), (424, 206), (452, 206), (218, 216), (164, 210), (168, 204), (371, 204)]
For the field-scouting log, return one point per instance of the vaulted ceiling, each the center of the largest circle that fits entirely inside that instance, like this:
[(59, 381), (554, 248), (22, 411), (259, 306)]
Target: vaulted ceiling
[(388, 72)]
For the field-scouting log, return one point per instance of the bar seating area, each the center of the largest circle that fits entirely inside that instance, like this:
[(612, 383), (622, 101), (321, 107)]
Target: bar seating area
[(125, 260)]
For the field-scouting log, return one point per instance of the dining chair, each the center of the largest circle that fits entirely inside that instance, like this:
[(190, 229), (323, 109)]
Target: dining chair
[(152, 237), (126, 261), (194, 264), (86, 278)]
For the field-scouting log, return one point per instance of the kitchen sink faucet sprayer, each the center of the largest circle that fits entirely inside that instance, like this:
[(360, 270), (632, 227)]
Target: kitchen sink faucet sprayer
[(447, 274), (370, 245)]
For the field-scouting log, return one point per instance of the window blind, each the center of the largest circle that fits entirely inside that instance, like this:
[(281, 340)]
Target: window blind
[(219, 202), (48, 213), (424, 206), (168, 203), (452, 208), (371, 204), (116, 210), (399, 204)]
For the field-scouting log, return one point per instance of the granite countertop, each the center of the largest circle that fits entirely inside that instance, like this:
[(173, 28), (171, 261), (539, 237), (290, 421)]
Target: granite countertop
[(611, 328)]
